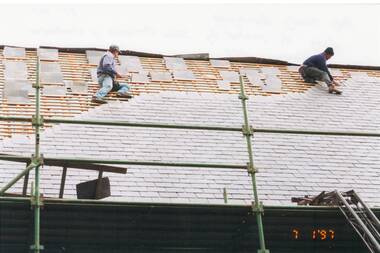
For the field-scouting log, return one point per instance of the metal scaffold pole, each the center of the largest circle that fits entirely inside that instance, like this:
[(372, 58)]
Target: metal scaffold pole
[(194, 127), (36, 198), (248, 132)]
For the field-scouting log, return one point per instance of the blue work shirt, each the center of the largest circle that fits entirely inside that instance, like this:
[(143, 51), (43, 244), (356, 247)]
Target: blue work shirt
[(318, 61), (107, 65)]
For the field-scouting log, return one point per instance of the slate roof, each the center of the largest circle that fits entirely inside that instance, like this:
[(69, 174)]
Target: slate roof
[(289, 165)]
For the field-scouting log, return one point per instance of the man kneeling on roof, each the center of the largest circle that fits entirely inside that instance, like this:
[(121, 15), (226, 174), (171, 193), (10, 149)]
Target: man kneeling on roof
[(106, 77), (315, 68)]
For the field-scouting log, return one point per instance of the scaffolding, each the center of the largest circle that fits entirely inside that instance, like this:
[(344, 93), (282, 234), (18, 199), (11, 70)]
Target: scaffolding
[(37, 160)]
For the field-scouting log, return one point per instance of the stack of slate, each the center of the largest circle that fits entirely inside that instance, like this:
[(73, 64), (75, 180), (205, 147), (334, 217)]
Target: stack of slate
[(132, 66), (254, 76), (265, 77), (177, 66), (272, 82), (227, 76), (93, 58), (50, 72), (16, 85)]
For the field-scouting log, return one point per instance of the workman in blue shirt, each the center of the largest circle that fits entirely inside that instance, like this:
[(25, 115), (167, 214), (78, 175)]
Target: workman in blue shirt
[(315, 68)]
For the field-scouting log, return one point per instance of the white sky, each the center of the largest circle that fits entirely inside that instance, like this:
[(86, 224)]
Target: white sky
[(288, 32)]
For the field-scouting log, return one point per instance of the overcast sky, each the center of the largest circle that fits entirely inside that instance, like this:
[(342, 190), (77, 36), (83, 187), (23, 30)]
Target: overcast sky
[(288, 32)]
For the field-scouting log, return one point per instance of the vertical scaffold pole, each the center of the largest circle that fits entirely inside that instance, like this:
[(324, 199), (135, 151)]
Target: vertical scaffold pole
[(248, 132), (36, 199)]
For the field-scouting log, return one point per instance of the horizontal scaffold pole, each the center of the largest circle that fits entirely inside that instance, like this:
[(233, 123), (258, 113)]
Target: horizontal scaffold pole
[(316, 132), (126, 162), (193, 127), (123, 123)]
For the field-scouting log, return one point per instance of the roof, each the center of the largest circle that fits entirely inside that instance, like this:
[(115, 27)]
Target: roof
[(289, 165)]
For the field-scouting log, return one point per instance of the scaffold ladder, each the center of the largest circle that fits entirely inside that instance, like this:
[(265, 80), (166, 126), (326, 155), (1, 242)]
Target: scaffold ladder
[(361, 218), (357, 213)]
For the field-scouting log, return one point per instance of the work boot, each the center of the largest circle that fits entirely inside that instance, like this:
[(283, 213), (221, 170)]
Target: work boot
[(125, 95), (98, 100), (332, 89)]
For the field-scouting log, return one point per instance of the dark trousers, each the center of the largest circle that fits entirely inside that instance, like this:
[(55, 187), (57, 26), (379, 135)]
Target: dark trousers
[(316, 74)]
